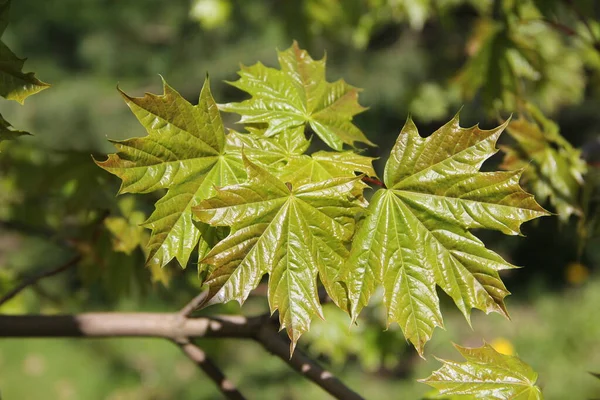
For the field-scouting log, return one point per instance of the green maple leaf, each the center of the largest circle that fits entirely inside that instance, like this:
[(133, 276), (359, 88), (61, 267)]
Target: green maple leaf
[(553, 168), (486, 374), (416, 232), (14, 84), (185, 153), (297, 95), (324, 165), (294, 234), (272, 153), (283, 156)]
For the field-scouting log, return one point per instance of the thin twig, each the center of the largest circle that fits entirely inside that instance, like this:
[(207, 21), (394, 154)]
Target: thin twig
[(583, 19), (561, 27), (373, 181), (194, 304), (199, 357), (35, 278)]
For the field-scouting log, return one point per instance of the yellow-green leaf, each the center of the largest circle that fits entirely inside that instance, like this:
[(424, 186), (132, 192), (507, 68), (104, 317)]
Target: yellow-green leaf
[(416, 232), (296, 95), (185, 153), (486, 374), (294, 234), (283, 156)]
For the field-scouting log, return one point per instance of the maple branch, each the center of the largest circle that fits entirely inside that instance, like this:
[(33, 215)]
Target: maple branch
[(194, 304), (73, 261), (32, 280), (179, 329), (116, 324), (305, 366), (373, 181), (199, 357)]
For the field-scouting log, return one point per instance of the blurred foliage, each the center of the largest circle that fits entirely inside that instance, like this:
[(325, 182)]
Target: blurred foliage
[(409, 56), (552, 167)]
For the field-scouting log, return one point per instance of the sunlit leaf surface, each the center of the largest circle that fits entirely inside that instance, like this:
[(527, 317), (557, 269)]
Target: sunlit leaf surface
[(184, 153), (297, 95), (486, 374), (416, 232), (294, 234)]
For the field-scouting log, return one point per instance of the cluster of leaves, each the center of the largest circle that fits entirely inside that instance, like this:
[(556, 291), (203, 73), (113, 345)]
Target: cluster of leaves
[(254, 203), (357, 21), (528, 52), (518, 53)]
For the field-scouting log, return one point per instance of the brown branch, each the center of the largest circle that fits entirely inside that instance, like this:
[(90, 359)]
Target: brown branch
[(373, 181), (177, 328), (199, 357), (305, 366), (104, 325), (32, 280)]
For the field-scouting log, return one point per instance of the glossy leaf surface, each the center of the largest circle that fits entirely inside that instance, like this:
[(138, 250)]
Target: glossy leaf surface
[(184, 153), (296, 95), (294, 234), (416, 232), (283, 155), (486, 374)]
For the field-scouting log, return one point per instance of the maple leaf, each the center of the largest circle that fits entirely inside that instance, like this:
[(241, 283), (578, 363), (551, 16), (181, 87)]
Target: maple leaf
[(486, 374), (185, 153), (14, 84), (294, 234), (283, 156), (416, 232), (297, 95), (553, 168)]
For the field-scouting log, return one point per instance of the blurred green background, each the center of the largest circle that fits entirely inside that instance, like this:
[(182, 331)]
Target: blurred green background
[(410, 56)]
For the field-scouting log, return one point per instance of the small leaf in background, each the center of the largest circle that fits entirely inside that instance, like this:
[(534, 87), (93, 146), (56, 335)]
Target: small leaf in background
[(297, 95), (294, 234), (416, 232), (127, 231), (486, 374), (553, 168), (184, 153), (14, 83), (7, 132)]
